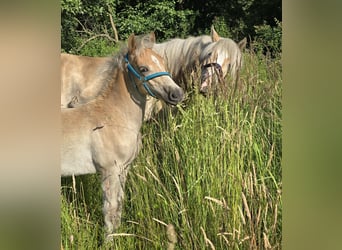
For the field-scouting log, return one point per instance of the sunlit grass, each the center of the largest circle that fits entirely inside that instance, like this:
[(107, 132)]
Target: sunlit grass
[(212, 170)]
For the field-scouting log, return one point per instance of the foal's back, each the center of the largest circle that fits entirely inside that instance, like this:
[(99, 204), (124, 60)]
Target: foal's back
[(79, 73)]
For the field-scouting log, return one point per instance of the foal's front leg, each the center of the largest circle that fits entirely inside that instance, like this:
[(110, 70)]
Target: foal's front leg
[(113, 185)]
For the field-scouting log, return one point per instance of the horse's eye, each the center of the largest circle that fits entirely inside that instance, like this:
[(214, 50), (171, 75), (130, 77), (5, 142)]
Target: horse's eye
[(209, 54), (143, 69)]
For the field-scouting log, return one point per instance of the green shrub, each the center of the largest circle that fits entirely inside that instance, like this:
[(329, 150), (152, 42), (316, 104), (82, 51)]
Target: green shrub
[(221, 27), (161, 17), (98, 47), (269, 39)]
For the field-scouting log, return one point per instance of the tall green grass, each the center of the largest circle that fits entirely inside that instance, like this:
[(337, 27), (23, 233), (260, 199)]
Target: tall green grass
[(207, 177)]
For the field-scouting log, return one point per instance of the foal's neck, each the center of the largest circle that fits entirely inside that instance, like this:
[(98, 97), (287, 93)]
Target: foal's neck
[(121, 100), (131, 98)]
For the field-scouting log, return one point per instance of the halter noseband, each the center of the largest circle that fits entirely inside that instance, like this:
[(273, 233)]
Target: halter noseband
[(144, 79), (216, 66)]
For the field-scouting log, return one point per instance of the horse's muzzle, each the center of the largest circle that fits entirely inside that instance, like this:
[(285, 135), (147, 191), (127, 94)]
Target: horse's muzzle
[(204, 86), (175, 96), (204, 90)]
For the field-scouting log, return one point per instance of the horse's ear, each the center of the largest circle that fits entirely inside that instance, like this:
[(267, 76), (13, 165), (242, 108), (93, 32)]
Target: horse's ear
[(131, 44), (214, 36), (242, 44), (152, 37)]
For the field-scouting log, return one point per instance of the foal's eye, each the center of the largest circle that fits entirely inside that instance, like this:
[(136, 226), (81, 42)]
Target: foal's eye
[(143, 69)]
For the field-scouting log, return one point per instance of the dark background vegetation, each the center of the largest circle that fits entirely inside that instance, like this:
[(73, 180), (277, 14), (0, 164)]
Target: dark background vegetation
[(92, 24)]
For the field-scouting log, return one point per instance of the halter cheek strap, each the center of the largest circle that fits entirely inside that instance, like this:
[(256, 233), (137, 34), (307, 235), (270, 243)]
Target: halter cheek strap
[(216, 65), (144, 79)]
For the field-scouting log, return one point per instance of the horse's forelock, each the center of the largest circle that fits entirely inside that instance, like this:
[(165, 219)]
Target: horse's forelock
[(206, 51), (234, 53), (144, 42), (226, 45)]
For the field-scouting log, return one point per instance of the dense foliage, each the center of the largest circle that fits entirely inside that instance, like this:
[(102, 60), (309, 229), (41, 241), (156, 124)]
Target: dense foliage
[(105, 22)]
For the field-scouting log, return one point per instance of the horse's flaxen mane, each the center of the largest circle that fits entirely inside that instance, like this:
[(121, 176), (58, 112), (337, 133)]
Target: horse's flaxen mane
[(182, 56), (186, 51)]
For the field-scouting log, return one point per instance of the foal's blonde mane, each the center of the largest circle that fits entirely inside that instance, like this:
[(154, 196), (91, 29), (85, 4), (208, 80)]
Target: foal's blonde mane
[(116, 62), (109, 69)]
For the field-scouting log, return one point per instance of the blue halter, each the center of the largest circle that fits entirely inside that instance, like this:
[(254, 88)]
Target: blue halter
[(144, 79)]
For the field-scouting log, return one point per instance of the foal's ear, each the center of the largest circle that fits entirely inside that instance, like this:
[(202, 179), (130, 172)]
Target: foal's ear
[(131, 44), (152, 37), (214, 36), (242, 44)]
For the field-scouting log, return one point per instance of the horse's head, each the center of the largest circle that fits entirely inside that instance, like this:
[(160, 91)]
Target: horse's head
[(223, 55), (148, 71)]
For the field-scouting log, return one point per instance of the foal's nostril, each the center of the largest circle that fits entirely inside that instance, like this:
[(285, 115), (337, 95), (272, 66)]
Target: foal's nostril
[(173, 96), (176, 95)]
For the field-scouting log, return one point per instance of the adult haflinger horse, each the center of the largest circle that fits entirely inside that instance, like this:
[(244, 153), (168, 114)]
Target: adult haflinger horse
[(215, 55), (103, 135)]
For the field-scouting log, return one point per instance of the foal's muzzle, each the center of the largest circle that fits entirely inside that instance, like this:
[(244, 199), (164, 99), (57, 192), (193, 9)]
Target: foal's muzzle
[(175, 96)]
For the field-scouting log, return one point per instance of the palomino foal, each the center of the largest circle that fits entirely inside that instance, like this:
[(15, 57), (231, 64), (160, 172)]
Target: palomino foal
[(103, 135)]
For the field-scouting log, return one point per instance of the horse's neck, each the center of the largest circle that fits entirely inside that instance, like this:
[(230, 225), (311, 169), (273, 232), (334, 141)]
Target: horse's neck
[(122, 97)]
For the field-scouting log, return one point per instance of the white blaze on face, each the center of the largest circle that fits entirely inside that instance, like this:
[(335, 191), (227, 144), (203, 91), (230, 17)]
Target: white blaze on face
[(223, 60), (156, 61), (220, 58)]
